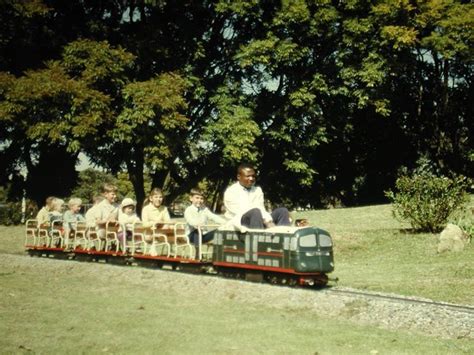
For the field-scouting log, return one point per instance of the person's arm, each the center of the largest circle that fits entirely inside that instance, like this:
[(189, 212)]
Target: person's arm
[(68, 217), (146, 216), (235, 207), (127, 221), (101, 213), (122, 218), (113, 214), (214, 217), (192, 218), (233, 202), (259, 202), (68, 222), (91, 216), (166, 215), (43, 216), (163, 219)]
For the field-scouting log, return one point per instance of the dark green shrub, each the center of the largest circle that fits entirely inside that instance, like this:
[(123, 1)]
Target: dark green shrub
[(10, 213), (426, 201)]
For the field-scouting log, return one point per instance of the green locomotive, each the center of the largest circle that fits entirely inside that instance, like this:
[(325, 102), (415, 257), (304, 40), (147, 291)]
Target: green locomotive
[(280, 255)]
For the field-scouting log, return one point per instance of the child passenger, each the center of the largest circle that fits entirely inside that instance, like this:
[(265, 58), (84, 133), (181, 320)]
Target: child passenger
[(127, 217), (153, 211), (72, 215), (56, 211), (43, 214), (198, 215), (90, 214), (106, 210), (56, 216)]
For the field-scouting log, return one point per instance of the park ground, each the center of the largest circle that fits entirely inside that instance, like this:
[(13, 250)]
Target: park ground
[(55, 306)]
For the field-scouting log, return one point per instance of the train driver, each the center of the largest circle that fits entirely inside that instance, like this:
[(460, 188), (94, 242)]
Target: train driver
[(244, 203)]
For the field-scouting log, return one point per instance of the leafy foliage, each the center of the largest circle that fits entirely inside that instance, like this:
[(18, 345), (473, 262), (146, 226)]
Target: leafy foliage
[(11, 212), (233, 133), (427, 201), (90, 184), (316, 93)]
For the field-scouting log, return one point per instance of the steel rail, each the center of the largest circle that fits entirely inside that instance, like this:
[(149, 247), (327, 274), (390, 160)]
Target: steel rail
[(453, 306)]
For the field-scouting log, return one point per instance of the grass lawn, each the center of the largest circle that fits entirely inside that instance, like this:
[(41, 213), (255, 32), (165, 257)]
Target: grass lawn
[(54, 306), (374, 251)]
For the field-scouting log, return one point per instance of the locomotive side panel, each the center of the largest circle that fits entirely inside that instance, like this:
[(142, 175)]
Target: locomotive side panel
[(228, 248), (256, 249), (268, 250)]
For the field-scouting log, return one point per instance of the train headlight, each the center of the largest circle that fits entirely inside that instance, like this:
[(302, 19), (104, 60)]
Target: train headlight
[(317, 253)]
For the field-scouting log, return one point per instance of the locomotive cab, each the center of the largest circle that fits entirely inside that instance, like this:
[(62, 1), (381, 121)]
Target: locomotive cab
[(311, 250)]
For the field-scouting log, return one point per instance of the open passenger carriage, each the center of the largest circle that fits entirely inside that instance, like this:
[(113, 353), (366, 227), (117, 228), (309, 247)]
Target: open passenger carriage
[(163, 240), (290, 255)]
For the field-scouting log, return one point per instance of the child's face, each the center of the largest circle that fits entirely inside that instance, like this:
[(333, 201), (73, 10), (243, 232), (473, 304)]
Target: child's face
[(156, 200), (110, 196), (75, 208), (128, 210), (197, 200), (58, 207)]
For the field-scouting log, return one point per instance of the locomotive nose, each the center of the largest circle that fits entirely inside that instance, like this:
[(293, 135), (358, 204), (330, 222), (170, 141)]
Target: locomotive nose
[(314, 252)]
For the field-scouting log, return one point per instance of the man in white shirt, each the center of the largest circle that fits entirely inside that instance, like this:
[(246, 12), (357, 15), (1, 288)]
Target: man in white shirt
[(244, 203)]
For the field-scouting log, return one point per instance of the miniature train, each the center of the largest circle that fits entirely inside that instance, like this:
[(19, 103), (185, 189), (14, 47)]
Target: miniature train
[(295, 256)]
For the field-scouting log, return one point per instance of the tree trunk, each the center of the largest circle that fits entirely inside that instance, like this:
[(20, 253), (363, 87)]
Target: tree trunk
[(135, 173)]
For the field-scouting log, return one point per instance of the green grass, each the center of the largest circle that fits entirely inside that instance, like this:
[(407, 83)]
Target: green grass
[(53, 306), (69, 307), (374, 251)]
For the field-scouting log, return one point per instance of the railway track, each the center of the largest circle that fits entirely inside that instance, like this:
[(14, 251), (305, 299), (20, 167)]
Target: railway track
[(400, 299)]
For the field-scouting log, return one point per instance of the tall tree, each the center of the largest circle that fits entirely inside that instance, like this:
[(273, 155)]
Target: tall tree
[(45, 115), (317, 93)]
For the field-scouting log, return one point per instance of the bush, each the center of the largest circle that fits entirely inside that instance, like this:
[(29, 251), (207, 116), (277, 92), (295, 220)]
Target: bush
[(10, 213), (426, 201)]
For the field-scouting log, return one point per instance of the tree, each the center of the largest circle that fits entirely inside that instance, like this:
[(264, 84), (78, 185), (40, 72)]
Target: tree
[(44, 114), (317, 93), (88, 103), (427, 48), (335, 87)]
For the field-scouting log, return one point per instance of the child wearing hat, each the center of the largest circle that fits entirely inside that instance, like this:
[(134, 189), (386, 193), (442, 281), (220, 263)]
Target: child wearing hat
[(127, 217)]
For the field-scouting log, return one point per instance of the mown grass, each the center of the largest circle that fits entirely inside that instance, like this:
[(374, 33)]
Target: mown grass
[(92, 308), (374, 251), (68, 307)]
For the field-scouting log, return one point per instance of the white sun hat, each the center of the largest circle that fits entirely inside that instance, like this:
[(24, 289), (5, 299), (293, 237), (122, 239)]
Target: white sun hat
[(128, 202)]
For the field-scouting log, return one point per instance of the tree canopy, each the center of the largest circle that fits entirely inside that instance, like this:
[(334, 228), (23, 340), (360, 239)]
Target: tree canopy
[(330, 99)]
